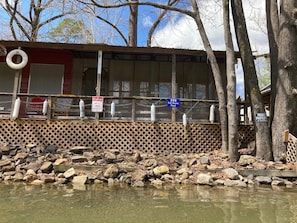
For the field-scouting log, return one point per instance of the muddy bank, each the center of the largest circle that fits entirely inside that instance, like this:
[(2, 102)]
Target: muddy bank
[(35, 164)]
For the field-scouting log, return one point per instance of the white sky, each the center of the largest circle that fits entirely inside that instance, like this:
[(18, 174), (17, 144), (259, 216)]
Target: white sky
[(183, 32)]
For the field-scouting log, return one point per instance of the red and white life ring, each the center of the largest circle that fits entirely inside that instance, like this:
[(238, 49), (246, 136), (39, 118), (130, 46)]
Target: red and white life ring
[(13, 65)]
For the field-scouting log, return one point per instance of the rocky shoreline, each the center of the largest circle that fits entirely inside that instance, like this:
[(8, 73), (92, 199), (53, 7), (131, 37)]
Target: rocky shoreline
[(37, 165)]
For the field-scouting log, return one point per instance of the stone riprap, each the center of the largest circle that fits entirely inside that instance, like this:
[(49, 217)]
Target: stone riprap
[(35, 164)]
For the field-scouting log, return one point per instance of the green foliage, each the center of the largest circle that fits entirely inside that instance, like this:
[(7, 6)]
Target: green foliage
[(71, 31)]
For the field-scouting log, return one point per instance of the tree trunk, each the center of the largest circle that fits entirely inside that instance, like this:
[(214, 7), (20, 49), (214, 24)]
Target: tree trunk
[(133, 21), (286, 86), (263, 140), (217, 77), (231, 87), (273, 30)]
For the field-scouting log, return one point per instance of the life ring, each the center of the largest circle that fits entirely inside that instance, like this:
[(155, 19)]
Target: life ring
[(17, 66)]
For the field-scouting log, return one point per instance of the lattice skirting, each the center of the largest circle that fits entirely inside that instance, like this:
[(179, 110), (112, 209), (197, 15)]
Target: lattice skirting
[(291, 156), (128, 136)]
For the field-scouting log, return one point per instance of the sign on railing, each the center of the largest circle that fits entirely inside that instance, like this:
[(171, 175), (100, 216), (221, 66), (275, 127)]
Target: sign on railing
[(97, 104), (173, 102)]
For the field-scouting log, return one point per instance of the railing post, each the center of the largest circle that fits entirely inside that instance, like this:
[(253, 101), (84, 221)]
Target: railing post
[(49, 108), (133, 110)]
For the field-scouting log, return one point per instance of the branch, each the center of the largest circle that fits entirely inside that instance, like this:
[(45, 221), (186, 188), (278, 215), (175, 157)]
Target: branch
[(115, 27), (54, 18), (156, 5), (157, 22)]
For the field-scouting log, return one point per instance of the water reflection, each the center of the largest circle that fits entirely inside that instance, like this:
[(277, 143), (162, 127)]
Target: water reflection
[(179, 203)]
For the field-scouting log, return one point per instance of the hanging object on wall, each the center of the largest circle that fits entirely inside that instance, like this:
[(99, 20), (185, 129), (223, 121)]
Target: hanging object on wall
[(16, 109), (212, 114), (153, 113), (44, 107), (81, 108), (12, 64), (112, 109)]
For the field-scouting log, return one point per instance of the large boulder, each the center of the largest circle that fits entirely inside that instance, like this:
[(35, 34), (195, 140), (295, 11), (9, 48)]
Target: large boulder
[(231, 173), (111, 172), (204, 179), (160, 170)]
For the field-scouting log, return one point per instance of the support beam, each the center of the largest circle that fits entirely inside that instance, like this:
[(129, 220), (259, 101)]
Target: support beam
[(173, 87), (99, 77)]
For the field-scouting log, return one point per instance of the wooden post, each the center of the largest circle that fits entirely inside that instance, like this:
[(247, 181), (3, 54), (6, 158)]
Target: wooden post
[(173, 86), (15, 86), (49, 108), (99, 75), (133, 109)]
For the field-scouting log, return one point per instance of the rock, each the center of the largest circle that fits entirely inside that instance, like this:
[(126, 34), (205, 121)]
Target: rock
[(69, 173), (79, 159), (80, 149), (180, 159), (30, 176), (204, 179), (8, 168), (150, 163), (136, 157), (30, 172), (111, 172), (34, 166), (46, 167), (48, 178), (157, 182), (139, 175), (50, 149), (234, 183), (231, 173), (18, 177), (259, 166), (110, 157), (278, 183), (60, 161), (5, 150), (138, 184), (110, 181), (20, 156), (160, 170), (281, 166), (245, 160), (204, 160), (80, 179), (182, 170), (167, 178), (37, 182), (263, 179), (219, 182), (5, 162), (127, 167)]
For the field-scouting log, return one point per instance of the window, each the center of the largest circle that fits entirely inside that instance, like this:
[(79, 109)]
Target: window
[(46, 78)]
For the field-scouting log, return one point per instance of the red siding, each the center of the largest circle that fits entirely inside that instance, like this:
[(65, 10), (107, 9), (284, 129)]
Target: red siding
[(47, 56)]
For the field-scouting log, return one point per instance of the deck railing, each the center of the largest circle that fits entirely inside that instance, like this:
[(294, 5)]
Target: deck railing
[(133, 109)]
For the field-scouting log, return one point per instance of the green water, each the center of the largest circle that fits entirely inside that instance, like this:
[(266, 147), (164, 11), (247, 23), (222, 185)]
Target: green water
[(98, 203)]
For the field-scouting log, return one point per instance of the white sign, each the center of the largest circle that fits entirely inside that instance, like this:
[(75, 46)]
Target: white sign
[(261, 117), (97, 104)]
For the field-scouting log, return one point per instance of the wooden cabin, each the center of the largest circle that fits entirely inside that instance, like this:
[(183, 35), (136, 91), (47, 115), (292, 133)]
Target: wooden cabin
[(132, 78), (138, 87)]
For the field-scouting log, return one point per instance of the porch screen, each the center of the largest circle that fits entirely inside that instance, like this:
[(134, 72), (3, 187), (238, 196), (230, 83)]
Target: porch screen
[(6, 85), (46, 78), (6, 78)]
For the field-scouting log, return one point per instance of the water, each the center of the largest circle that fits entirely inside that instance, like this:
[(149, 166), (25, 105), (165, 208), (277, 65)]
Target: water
[(173, 204)]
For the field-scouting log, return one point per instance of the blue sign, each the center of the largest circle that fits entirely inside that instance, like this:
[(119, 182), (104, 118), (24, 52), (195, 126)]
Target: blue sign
[(173, 102)]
